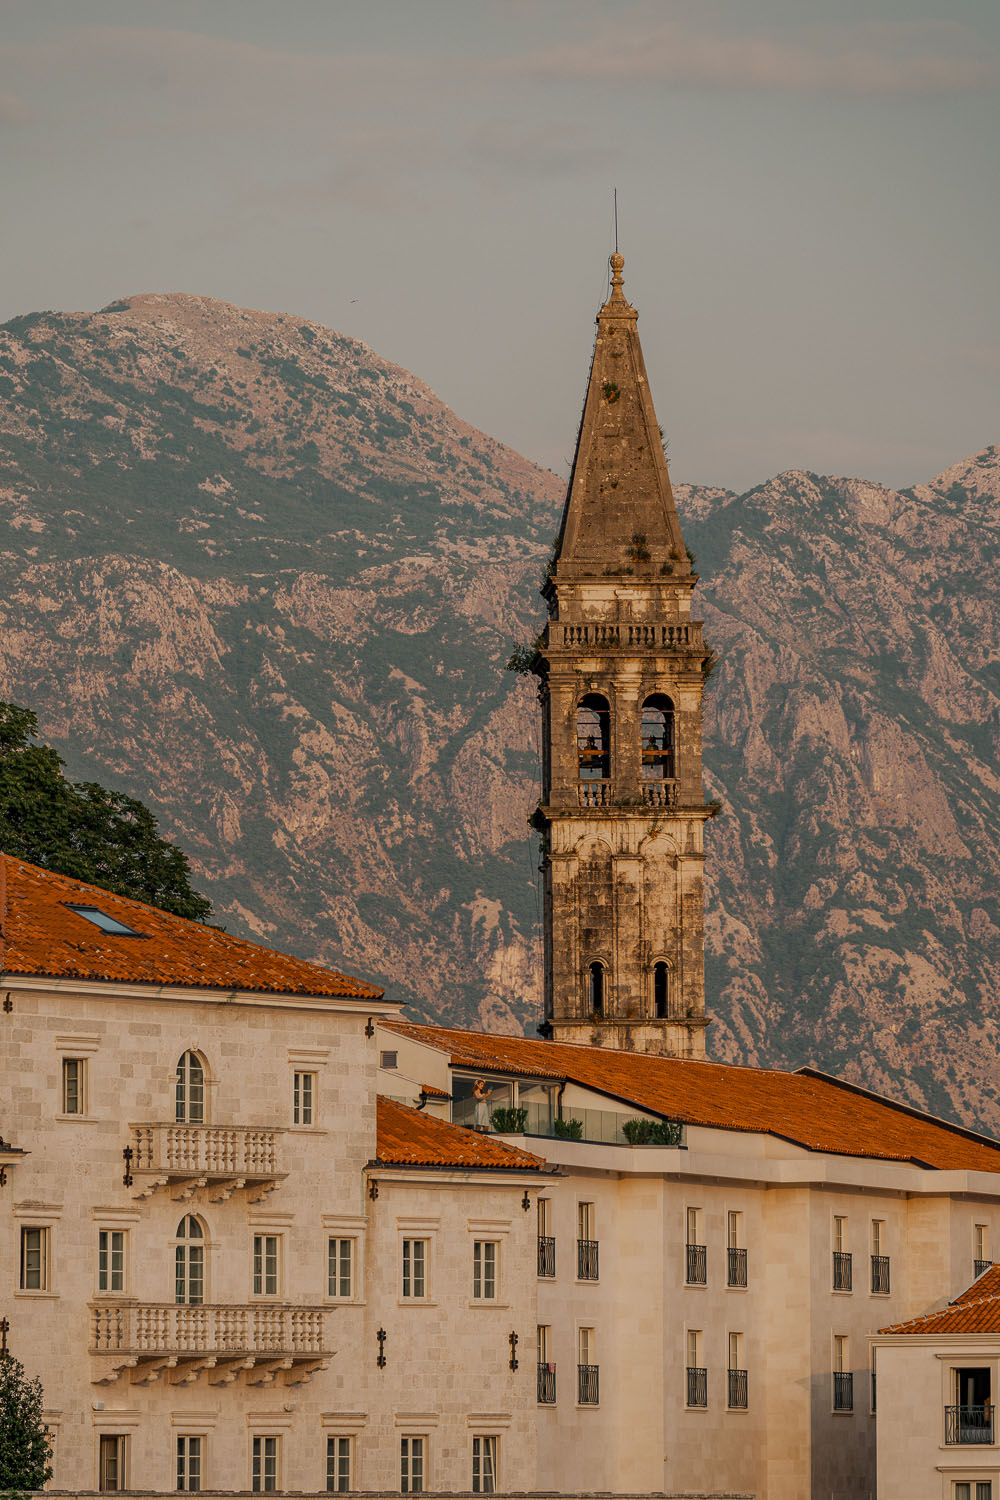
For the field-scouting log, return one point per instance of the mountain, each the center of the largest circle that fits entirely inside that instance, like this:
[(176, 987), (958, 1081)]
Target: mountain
[(264, 580)]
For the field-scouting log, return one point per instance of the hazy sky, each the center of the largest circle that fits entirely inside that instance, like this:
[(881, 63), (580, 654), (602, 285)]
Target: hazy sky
[(808, 201)]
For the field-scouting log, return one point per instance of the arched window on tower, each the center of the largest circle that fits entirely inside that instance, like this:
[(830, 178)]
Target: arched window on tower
[(657, 738), (661, 991), (189, 1094), (593, 738), (595, 988)]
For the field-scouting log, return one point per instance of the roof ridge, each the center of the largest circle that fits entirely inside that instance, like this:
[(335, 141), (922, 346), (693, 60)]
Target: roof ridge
[(896, 1104), (942, 1312)]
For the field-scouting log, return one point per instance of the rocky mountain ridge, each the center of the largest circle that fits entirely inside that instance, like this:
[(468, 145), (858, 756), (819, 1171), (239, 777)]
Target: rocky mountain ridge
[(266, 581)]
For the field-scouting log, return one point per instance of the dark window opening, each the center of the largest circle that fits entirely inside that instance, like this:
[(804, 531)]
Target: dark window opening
[(103, 921), (660, 990), (596, 988), (593, 738), (657, 738)]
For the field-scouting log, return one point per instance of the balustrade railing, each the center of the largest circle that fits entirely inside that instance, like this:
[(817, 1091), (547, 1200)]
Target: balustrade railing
[(738, 1390), (153, 1328), (979, 1267), (697, 1386), (631, 636), (587, 1260), (696, 1269), (843, 1273), (880, 1275), (588, 1384), (595, 793), (736, 1267), (237, 1153), (659, 793), (546, 1255), (843, 1390)]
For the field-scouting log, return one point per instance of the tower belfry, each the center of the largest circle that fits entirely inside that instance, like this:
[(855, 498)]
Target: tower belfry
[(621, 675)]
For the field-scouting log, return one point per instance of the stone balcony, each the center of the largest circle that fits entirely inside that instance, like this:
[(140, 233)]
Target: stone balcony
[(651, 794), (685, 635), (224, 1341), (222, 1158)]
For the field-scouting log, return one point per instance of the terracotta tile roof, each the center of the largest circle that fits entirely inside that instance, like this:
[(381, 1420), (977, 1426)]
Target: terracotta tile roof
[(987, 1285), (41, 936), (433, 1093), (981, 1315), (410, 1138), (807, 1108)]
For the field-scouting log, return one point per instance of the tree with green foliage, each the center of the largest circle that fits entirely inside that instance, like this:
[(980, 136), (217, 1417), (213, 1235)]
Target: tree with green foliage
[(83, 830), (24, 1437)]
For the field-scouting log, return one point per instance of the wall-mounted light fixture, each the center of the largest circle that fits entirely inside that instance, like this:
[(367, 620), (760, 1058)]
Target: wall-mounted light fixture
[(381, 1360), (512, 1340), (127, 1156)]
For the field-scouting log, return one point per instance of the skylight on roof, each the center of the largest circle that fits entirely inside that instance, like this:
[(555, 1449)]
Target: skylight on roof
[(103, 921)]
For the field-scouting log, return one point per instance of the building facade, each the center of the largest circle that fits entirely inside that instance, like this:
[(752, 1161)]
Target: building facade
[(621, 667)]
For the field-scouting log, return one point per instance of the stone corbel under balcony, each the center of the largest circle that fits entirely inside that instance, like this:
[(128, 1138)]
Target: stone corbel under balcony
[(183, 1341), (187, 1158)]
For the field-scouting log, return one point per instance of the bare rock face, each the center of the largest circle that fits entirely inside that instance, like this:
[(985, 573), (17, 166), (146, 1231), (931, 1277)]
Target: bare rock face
[(266, 581)]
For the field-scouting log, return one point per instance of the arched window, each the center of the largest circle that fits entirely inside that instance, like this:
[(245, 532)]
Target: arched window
[(595, 988), (189, 1096), (660, 990), (657, 738), (189, 1261), (593, 738)]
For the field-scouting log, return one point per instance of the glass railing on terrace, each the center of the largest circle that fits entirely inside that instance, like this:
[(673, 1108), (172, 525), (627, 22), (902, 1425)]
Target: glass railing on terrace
[(604, 1127)]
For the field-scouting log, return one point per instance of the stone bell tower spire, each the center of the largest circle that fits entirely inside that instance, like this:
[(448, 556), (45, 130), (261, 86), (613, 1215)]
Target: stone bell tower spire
[(621, 675)]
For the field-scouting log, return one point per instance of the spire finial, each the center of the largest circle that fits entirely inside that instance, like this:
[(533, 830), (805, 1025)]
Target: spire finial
[(617, 262)]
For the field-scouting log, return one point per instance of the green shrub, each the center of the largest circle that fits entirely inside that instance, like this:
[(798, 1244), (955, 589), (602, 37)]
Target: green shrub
[(569, 1130), (510, 1120)]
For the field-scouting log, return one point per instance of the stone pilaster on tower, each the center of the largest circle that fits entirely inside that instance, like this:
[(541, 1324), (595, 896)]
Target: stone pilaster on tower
[(622, 671)]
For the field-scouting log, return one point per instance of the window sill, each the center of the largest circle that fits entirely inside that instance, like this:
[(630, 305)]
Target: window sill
[(345, 1302), (695, 1408), (37, 1296), (487, 1302), (415, 1302), (306, 1130), (699, 1286), (841, 1291), (77, 1119)]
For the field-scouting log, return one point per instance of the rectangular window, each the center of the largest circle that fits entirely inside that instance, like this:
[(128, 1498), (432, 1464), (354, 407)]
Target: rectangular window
[(843, 1271), (303, 1093), (734, 1230), (697, 1375), (339, 1464), (736, 1255), (544, 1218), (588, 1389), (411, 1464), (484, 1270), (189, 1454), (736, 1351), (484, 1465), (737, 1374), (73, 1078), (843, 1379), (340, 1268), (839, 1232), (878, 1236), (981, 1243), (546, 1366), (971, 1489), (34, 1259), (696, 1266), (264, 1464), (585, 1221), (587, 1346), (415, 1268), (111, 1462), (546, 1242), (111, 1260), (265, 1266)]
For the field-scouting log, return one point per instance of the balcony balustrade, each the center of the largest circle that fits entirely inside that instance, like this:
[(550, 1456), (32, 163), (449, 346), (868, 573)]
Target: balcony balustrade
[(843, 1390), (697, 1265), (843, 1272), (697, 1386), (595, 793), (588, 1384), (738, 1390), (587, 1260), (736, 1269), (622, 636), (546, 1385), (979, 1267), (223, 1340), (223, 1158), (546, 1255), (880, 1275), (659, 793), (968, 1424)]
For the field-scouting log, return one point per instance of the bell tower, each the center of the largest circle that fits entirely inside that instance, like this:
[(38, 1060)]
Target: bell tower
[(621, 674)]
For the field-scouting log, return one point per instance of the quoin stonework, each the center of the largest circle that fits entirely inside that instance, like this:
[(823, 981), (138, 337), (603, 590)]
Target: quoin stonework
[(622, 667)]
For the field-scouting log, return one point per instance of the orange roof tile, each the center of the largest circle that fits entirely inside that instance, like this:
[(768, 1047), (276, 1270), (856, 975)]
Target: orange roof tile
[(981, 1315), (807, 1108), (409, 1138), (433, 1093), (41, 936), (986, 1285)]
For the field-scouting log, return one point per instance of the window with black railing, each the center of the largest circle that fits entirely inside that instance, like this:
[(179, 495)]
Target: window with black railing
[(697, 1386), (588, 1384), (968, 1424), (843, 1390), (546, 1255), (880, 1275), (738, 1390), (736, 1270), (697, 1265), (586, 1260), (546, 1384), (843, 1274), (979, 1267)]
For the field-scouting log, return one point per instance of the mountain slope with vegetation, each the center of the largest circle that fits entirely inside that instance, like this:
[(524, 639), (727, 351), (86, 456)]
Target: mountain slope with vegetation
[(264, 580)]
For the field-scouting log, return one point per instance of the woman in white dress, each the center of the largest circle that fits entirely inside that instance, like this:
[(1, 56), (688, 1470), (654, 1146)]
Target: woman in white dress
[(481, 1094)]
